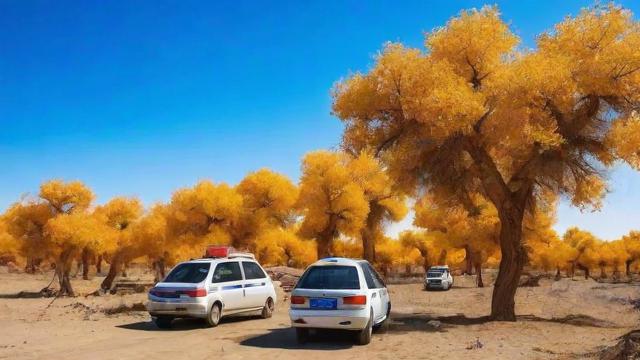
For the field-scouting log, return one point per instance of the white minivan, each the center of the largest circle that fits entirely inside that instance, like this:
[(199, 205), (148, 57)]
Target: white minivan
[(339, 293), (211, 288)]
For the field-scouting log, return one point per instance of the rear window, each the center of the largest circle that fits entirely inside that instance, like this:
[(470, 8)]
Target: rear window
[(334, 277), (189, 273), (435, 272)]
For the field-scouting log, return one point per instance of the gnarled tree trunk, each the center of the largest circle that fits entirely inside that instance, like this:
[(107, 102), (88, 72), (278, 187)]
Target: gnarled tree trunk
[(511, 264), (63, 269), (99, 264), (114, 268), (325, 238), (370, 231), (627, 265), (86, 256), (426, 264), (468, 260), (159, 269), (479, 281)]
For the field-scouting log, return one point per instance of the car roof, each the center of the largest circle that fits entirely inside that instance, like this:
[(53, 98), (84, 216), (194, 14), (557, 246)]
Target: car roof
[(338, 261), (211, 260), (440, 267)]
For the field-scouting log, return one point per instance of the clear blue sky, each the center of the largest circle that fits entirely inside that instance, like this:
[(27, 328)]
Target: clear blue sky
[(142, 97)]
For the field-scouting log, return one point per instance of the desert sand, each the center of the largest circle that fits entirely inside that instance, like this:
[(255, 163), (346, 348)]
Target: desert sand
[(563, 319)]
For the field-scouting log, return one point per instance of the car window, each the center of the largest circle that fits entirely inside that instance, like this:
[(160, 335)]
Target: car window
[(435, 273), (227, 271), (252, 271), (374, 281), (189, 273), (335, 277)]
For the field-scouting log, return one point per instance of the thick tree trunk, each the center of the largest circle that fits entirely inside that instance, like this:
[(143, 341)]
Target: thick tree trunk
[(468, 259), (603, 272), (426, 264), (99, 264), (159, 269), (369, 232), (511, 264), (63, 268), (442, 259), (585, 269), (324, 246), (558, 276), (86, 255), (114, 268), (325, 238), (479, 281), (627, 265)]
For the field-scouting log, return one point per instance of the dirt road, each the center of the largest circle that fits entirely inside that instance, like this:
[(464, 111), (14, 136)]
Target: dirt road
[(564, 319)]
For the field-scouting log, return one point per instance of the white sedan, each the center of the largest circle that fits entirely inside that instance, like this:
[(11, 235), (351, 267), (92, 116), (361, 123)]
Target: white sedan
[(339, 293)]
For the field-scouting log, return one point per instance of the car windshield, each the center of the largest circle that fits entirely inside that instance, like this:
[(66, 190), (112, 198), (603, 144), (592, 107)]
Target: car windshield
[(435, 272), (333, 277), (189, 273)]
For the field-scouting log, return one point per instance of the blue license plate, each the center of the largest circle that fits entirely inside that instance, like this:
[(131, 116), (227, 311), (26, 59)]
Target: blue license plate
[(323, 303)]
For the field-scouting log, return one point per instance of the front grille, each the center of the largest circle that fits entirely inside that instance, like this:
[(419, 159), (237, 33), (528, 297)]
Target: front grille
[(435, 282)]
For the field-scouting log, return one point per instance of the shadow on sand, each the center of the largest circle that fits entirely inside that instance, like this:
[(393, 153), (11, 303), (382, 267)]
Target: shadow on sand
[(285, 338), (184, 324)]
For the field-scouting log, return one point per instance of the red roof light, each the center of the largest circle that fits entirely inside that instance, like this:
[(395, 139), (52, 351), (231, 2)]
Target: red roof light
[(216, 251)]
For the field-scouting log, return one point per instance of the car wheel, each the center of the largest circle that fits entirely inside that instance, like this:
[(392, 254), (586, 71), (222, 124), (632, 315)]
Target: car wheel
[(364, 336), (163, 322), (302, 335), (267, 310), (213, 318)]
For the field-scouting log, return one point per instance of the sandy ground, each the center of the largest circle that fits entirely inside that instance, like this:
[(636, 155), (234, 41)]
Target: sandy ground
[(76, 328)]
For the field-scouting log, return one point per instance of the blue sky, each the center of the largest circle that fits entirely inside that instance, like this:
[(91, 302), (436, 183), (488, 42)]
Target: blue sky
[(141, 98)]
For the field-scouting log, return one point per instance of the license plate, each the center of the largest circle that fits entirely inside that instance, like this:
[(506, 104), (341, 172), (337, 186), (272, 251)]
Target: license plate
[(323, 303)]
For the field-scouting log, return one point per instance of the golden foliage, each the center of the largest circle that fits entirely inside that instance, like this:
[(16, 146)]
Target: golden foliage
[(331, 201)]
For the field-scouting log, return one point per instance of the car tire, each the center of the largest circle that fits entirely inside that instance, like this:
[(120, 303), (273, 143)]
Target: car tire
[(364, 335), (163, 322), (302, 335), (267, 309), (214, 315)]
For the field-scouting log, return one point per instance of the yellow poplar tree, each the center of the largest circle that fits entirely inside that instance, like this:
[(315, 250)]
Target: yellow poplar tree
[(69, 234), (25, 222), (278, 246), (118, 215), (268, 201), (632, 245), (386, 203), (331, 201), (586, 246), (474, 112), (203, 215)]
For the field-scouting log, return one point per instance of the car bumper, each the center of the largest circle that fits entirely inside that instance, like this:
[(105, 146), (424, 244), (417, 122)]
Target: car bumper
[(177, 309), (434, 285), (330, 319)]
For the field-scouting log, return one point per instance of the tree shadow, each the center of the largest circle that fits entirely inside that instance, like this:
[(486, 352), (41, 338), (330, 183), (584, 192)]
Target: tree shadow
[(26, 295), (285, 338)]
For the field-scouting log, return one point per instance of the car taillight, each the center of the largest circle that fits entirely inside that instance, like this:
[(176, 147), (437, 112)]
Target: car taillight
[(355, 300), (195, 293), (298, 300)]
